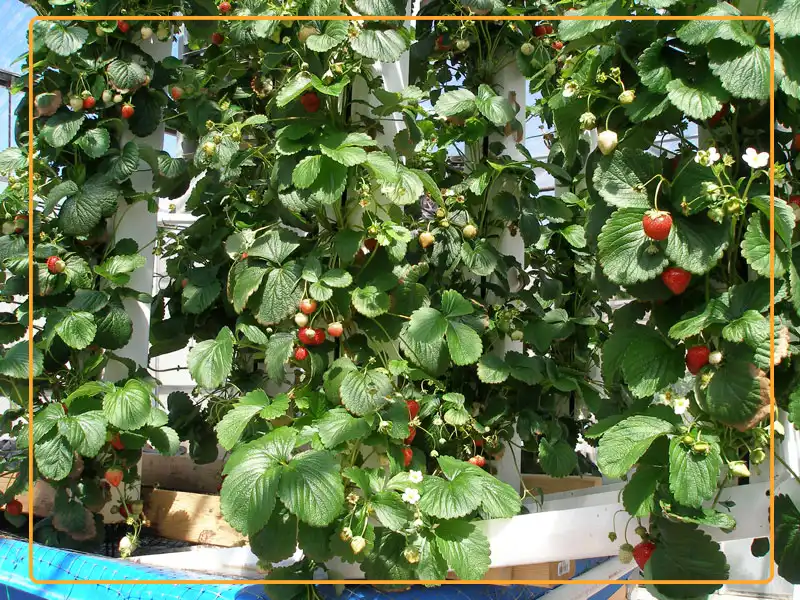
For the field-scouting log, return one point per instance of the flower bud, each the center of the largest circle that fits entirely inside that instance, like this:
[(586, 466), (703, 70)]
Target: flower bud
[(588, 120), (411, 555)]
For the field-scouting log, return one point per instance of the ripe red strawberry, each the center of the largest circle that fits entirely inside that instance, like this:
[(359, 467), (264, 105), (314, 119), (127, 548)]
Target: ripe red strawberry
[(14, 508), (308, 306), (319, 336), (114, 476), (55, 265), (656, 224), (697, 358), (224, 7), (116, 442), (676, 279), (540, 31), (412, 434), (20, 223), (307, 335), (300, 353), (176, 92), (440, 45), (127, 111), (335, 329), (124, 511), (548, 29), (123, 26), (217, 38), (478, 461), (408, 454), (89, 103), (796, 142), (719, 115), (413, 408), (557, 45), (310, 102), (794, 200), (642, 553)]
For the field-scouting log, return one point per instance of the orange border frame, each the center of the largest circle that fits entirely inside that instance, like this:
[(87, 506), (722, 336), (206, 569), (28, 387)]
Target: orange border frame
[(410, 18)]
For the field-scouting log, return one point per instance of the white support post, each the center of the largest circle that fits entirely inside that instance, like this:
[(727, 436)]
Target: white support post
[(514, 87)]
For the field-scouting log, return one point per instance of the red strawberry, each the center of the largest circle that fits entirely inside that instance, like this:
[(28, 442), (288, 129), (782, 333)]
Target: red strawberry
[(225, 7), (89, 103), (116, 442), (408, 454), (307, 335), (412, 434), (300, 353), (123, 26), (656, 224), (557, 45), (14, 508), (176, 92), (335, 329), (697, 358), (55, 265), (64, 406), (308, 306), (794, 200), (478, 461), (676, 279), (548, 29), (217, 38), (310, 102), (114, 476), (370, 244), (540, 31), (440, 45), (642, 553), (124, 511), (796, 142), (319, 336), (20, 223), (719, 115), (127, 111), (413, 408)]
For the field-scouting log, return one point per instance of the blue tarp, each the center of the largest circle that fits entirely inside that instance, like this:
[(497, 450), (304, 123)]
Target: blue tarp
[(52, 563)]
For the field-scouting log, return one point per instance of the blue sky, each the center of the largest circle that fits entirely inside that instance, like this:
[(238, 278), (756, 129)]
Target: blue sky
[(13, 32)]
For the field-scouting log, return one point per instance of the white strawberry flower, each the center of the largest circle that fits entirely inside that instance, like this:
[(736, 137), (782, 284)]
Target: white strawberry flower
[(680, 404), (411, 496), (415, 476), (707, 157), (570, 89), (755, 159)]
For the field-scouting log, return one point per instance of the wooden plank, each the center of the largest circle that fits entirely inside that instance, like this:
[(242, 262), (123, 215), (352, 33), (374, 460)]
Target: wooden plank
[(620, 594), (554, 485), (180, 474), (550, 571), (189, 517), (44, 496)]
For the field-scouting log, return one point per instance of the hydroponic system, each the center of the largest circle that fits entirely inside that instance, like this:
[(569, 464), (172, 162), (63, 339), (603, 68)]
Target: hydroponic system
[(390, 317)]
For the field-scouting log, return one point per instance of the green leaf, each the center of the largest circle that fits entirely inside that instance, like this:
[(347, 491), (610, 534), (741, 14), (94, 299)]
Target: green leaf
[(558, 459), (125, 165), (65, 40), (86, 432), (456, 496), (457, 102), (495, 108), (784, 216), (464, 344), (638, 497), (427, 325), (114, 329), (653, 71), (77, 329), (620, 178), (625, 443), (337, 278), (464, 547), (693, 476), (575, 235), (247, 282), (698, 101), (405, 188), (282, 294), (128, 407), (12, 159), (95, 142), (311, 487), (787, 538), (756, 249), (274, 246), (164, 439), (90, 301), (370, 301), (277, 541), (500, 500), (116, 268), (685, 553), (701, 32), (735, 393), (231, 427), (624, 249), (492, 369), (338, 426), (696, 245), (363, 393), (333, 34), (62, 127), (126, 74), (786, 14), (528, 369), (294, 88), (81, 212), (646, 106), (54, 458), (391, 510), (279, 349), (569, 30), (210, 361), (652, 364), (307, 171), (349, 156), (382, 45), (751, 328), (479, 258), (744, 72)]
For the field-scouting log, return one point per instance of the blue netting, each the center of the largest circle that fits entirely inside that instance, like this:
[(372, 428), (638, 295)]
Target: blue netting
[(55, 564)]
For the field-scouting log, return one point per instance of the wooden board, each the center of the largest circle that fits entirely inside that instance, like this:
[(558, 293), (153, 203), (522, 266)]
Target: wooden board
[(44, 496), (554, 485), (180, 473), (189, 517)]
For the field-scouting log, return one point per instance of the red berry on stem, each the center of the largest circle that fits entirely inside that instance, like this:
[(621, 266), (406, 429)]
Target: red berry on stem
[(89, 103), (676, 279), (408, 454), (55, 265), (116, 442), (307, 306), (697, 358), (319, 336), (300, 353), (335, 329), (540, 31), (14, 508), (307, 335), (127, 111), (413, 408), (557, 45), (114, 476), (412, 434), (548, 29), (657, 224), (310, 102), (478, 461), (123, 26), (176, 92), (225, 7), (217, 38), (642, 553)]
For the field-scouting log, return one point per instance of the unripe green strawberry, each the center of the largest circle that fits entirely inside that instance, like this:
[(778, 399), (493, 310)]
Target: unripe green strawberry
[(757, 456), (357, 544), (738, 469), (626, 97), (527, 49), (607, 141), (625, 554)]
